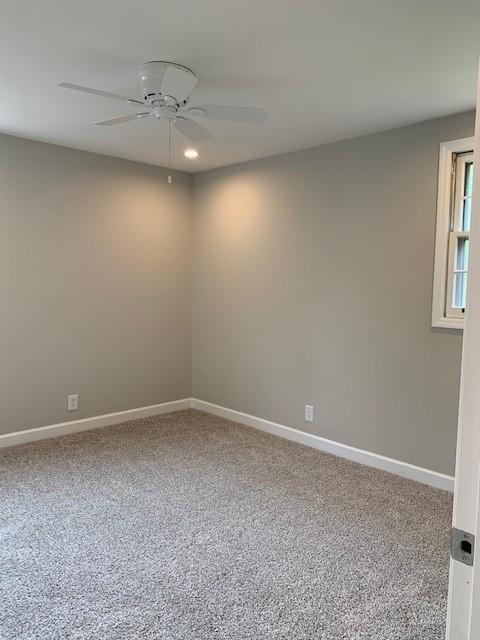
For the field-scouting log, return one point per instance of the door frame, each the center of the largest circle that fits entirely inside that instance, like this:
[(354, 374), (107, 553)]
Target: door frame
[(463, 614)]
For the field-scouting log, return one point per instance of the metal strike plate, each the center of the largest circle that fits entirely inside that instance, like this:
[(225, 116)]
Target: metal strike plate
[(462, 546)]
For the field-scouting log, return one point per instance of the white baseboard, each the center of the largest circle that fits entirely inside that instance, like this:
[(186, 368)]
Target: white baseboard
[(404, 469), (63, 428)]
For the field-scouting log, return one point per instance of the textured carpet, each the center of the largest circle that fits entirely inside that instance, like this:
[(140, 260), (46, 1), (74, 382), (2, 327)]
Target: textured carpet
[(190, 527)]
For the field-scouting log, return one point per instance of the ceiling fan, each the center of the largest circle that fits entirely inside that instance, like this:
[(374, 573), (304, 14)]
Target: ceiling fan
[(166, 89)]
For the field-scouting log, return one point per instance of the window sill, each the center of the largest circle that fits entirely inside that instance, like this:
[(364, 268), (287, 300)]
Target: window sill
[(449, 323)]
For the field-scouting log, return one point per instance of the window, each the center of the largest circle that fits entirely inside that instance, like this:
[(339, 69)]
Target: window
[(454, 211)]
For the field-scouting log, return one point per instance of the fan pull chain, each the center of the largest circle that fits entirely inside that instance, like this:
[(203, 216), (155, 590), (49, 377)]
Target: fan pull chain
[(169, 151)]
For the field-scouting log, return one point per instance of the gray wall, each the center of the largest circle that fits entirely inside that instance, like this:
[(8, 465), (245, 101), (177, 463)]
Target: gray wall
[(95, 284), (313, 283)]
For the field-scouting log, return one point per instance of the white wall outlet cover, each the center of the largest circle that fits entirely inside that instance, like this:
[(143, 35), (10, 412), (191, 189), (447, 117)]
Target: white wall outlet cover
[(72, 403), (308, 413)]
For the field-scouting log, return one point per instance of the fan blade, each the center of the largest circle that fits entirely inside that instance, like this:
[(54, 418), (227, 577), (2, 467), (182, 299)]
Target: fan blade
[(97, 92), (120, 119), (191, 129), (233, 114)]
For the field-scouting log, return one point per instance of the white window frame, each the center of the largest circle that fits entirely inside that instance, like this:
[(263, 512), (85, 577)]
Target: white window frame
[(441, 315)]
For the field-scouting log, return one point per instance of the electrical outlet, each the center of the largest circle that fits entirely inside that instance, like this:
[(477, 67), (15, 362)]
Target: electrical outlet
[(72, 403), (308, 413)]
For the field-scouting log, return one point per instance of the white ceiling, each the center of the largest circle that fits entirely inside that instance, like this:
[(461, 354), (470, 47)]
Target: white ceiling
[(324, 69)]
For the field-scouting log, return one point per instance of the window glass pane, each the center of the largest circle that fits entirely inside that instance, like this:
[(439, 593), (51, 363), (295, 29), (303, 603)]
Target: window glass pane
[(468, 179), (460, 291), (461, 263), (460, 273), (466, 214)]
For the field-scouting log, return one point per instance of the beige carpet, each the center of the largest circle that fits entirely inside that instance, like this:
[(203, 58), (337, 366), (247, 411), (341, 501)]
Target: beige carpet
[(190, 527)]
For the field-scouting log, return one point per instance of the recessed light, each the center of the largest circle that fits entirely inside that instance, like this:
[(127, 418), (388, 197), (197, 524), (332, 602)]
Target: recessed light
[(191, 153)]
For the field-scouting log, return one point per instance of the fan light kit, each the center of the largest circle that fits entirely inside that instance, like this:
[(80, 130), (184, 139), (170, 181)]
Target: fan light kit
[(165, 95), (191, 153)]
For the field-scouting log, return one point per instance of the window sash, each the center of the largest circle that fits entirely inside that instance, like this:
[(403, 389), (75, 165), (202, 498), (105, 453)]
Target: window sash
[(457, 232), (451, 310), (459, 197)]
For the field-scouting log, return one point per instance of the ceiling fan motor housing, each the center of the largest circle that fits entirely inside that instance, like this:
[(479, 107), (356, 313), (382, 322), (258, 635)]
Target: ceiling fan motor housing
[(166, 79)]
